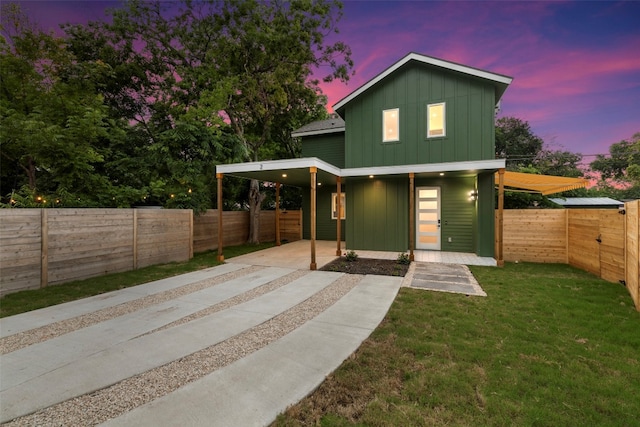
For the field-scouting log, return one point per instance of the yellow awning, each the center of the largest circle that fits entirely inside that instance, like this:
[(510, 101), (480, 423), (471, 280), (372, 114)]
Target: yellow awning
[(544, 184)]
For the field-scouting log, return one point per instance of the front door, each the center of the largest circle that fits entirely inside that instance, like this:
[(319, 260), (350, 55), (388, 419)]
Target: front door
[(428, 218)]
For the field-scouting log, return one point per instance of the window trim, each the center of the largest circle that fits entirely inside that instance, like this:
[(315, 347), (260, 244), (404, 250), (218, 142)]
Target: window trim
[(444, 120), (384, 130), (343, 206)]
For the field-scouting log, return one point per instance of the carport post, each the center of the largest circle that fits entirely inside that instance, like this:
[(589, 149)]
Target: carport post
[(500, 260), (338, 215), (314, 171), (220, 254), (412, 215), (278, 214)]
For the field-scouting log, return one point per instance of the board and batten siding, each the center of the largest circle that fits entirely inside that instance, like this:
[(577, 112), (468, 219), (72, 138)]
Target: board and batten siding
[(378, 214), (470, 109), (457, 212), (328, 147)]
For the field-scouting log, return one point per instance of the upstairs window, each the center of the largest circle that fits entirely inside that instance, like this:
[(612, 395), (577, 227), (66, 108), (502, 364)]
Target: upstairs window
[(436, 120), (391, 125)]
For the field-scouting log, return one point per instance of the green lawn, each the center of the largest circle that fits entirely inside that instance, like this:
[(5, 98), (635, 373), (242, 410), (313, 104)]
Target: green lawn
[(22, 301), (550, 346)]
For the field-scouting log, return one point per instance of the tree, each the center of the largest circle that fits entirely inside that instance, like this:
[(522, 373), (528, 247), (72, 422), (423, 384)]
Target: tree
[(51, 118), (246, 65), (516, 142), (622, 166)]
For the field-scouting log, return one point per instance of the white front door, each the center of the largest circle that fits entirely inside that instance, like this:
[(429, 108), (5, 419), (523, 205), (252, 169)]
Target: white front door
[(428, 218)]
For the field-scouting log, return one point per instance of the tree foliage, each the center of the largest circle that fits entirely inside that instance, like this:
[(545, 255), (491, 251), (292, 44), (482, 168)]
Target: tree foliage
[(140, 110)]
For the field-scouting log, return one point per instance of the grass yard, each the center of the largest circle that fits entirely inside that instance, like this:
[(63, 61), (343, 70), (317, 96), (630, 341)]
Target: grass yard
[(20, 302), (550, 346)]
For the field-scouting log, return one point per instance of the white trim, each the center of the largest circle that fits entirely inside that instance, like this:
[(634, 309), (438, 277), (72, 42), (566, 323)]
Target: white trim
[(307, 162), (444, 119), (498, 78), (426, 167), (317, 132), (384, 130), (275, 165)]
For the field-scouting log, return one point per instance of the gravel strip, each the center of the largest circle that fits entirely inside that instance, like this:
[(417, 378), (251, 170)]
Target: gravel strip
[(239, 299), (37, 335), (102, 405)]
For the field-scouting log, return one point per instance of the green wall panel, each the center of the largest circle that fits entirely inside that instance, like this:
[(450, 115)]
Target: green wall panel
[(469, 119), (377, 212), (457, 212), (325, 226), (327, 147), (486, 215)]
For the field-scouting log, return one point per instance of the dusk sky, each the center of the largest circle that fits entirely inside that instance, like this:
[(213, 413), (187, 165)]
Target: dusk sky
[(575, 64)]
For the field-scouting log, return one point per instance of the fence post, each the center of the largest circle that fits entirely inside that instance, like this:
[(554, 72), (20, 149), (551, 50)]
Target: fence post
[(135, 239), (44, 248)]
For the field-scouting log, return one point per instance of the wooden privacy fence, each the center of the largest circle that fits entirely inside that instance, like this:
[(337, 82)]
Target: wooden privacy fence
[(236, 228), (40, 247), (601, 241)]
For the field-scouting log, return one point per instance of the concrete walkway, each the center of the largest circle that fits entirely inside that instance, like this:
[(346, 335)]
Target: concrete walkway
[(99, 345)]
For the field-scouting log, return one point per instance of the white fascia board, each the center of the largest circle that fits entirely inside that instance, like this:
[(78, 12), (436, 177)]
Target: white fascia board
[(276, 165), (474, 165), (426, 60), (317, 132)]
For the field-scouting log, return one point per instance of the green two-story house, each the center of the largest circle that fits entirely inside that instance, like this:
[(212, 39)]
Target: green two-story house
[(406, 163)]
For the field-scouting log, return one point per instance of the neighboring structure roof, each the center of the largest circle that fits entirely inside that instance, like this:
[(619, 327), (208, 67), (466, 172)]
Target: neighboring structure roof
[(587, 202), (543, 184), (320, 127), (500, 82)]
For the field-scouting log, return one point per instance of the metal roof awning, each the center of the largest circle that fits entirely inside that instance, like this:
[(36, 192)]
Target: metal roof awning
[(543, 184)]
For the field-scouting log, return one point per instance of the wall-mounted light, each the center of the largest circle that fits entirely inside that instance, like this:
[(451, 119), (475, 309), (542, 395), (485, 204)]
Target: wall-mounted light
[(284, 175), (473, 195)]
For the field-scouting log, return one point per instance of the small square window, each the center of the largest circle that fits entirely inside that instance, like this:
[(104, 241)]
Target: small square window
[(391, 125), (436, 120), (334, 205)]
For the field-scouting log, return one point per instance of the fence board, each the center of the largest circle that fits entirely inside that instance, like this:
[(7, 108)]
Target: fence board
[(20, 249), (632, 248), (236, 228), (40, 247), (534, 235)]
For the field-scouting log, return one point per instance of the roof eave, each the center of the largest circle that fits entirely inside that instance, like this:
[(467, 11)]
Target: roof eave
[(500, 81)]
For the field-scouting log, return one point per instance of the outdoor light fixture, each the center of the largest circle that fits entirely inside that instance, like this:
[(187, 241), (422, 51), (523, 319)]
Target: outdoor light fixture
[(284, 175), (441, 173), (370, 176), (473, 195)]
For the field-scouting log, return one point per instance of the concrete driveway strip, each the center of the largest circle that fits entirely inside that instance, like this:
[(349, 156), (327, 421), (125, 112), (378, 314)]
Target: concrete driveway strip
[(255, 389), (137, 355), (27, 363), (37, 318)]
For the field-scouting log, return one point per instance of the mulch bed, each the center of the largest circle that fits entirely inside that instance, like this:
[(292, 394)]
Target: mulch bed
[(382, 267)]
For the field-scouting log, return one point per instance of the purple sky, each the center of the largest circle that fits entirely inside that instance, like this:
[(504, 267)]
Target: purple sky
[(576, 65)]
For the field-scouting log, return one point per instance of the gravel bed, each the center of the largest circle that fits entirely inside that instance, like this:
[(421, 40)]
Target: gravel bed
[(37, 335), (113, 401)]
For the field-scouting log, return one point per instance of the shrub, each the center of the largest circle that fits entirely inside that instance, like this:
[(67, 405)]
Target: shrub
[(351, 256), (403, 259)]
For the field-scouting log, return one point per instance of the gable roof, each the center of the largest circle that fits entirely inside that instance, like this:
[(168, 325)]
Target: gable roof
[(500, 82), (320, 127)]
